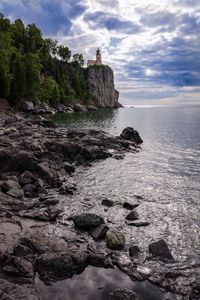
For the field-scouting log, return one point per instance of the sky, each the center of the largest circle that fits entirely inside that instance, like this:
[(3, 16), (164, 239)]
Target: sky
[(153, 46)]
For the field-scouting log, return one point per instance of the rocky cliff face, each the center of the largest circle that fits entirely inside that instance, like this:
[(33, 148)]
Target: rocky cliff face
[(101, 86)]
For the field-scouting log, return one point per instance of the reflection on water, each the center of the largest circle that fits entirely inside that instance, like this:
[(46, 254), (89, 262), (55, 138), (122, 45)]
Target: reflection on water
[(97, 119), (96, 284), (165, 172)]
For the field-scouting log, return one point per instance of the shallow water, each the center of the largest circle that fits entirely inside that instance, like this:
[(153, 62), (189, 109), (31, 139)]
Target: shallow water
[(97, 283), (166, 173)]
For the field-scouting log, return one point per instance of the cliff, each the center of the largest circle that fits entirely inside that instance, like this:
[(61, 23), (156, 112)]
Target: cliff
[(101, 86)]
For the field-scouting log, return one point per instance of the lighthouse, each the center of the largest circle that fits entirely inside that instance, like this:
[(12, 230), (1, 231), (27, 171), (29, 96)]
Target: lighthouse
[(98, 57), (98, 60)]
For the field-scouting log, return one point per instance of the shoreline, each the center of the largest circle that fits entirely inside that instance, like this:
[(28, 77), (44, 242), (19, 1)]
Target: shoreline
[(42, 160)]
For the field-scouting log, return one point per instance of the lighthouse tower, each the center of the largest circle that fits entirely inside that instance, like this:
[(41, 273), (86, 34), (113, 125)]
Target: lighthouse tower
[(98, 57)]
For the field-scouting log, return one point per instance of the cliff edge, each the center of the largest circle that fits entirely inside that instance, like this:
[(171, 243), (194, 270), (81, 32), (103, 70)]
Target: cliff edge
[(101, 86)]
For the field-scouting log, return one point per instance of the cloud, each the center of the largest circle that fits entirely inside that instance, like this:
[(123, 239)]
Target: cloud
[(151, 45)]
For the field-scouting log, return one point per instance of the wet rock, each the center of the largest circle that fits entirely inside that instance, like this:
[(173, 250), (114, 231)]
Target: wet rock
[(16, 193), (68, 188), (26, 178), (87, 220), (57, 266), (29, 188), (46, 172), (115, 239), (19, 162), (10, 184), (122, 294), (134, 250), (79, 107), (130, 206), (130, 134), (28, 106), (99, 232), (107, 202), (69, 168), (137, 223), (133, 215), (160, 249)]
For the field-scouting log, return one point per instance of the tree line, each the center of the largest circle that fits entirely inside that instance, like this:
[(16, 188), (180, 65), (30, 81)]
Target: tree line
[(38, 69)]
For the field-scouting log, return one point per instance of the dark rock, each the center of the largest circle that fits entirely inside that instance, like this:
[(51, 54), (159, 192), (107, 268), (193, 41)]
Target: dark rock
[(16, 193), (44, 122), (133, 215), (122, 294), (134, 250), (130, 206), (68, 188), (107, 202), (138, 224), (132, 135), (160, 249), (87, 220), (28, 106), (46, 172), (57, 266), (20, 161), (29, 188), (10, 184), (99, 232), (79, 107), (115, 239), (26, 178), (68, 167), (91, 108)]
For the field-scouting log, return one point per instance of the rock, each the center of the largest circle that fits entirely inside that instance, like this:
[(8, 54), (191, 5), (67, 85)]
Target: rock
[(29, 188), (107, 202), (160, 249), (41, 183), (20, 161), (101, 86), (46, 172), (26, 178), (133, 215), (92, 108), (69, 168), (122, 294), (79, 107), (28, 106), (99, 232), (68, 188), (10, 184), (57, 266), (138, 224), (87, 220), (132, 135), (134, 250), (130, 206), (16, 193), (115, 239)]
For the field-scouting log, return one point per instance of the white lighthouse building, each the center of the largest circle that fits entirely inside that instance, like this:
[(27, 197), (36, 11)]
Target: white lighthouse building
[(98, 60)]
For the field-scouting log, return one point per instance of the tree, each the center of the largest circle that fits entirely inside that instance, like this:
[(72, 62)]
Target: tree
[(78, 59), (64, 53), (33, 37)]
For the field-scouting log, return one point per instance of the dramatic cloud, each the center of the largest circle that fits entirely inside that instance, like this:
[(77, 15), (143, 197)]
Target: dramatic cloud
[(153, 46)]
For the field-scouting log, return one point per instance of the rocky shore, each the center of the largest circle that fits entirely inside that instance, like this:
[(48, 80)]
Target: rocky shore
[(39, 165)]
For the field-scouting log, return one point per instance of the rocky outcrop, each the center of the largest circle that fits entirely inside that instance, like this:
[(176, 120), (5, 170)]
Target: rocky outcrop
[(101, 87)]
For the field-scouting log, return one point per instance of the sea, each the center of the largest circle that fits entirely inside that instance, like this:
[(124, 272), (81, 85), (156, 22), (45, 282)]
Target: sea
[(165, 173)]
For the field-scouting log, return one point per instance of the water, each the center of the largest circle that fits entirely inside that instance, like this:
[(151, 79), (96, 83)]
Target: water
[(98, 283), (166, 173)]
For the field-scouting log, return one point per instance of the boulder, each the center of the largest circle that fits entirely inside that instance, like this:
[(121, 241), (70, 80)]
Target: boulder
[(130, 206), (122, 294), (132, 135), (26, 178), (92, 108), (10, 184), (79, 107), (87, 220), (19, 162), (115, 239), (160, 249), (28, 106), (16, 193), (99, 232), (29, 188), (69, 168), (134, 250), (133, 215), (107, 202)]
